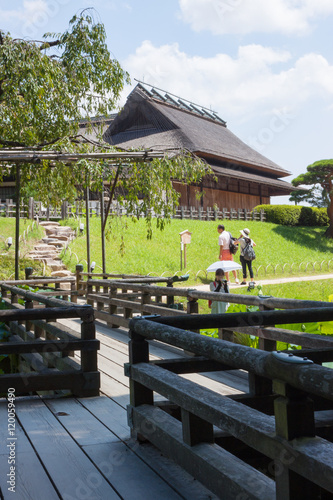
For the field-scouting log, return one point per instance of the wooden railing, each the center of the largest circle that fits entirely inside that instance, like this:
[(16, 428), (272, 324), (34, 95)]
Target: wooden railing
[(36, 209), (117, 301), (215, 213), (44, 348), (275, 441)]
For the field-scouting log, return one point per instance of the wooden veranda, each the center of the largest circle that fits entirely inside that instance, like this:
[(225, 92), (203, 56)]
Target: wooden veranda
[(230, 421)]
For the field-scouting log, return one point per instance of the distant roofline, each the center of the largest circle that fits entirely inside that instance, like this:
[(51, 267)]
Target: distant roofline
[(183, 104), (95, 119)]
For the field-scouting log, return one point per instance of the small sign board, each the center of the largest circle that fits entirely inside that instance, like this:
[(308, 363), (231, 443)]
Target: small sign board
[(185, 237)]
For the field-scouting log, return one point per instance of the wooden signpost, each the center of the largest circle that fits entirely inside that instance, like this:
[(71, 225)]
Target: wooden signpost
[(185, 238)]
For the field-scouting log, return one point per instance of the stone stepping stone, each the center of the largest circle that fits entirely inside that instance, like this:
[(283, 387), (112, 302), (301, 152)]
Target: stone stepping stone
[(42, 248), (48, 223)]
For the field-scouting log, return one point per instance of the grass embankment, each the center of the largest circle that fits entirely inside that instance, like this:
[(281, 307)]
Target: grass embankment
[(276, 246), (129, 251), (7, 260)]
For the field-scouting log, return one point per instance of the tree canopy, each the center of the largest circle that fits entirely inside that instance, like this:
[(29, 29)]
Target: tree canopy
[(319, 175), (46, 88)]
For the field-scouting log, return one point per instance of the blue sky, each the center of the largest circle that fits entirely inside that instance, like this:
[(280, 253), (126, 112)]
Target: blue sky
[(265, 66)]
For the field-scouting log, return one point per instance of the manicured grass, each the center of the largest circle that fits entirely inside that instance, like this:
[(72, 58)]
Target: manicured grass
[(7, 261), (312, 290), (302, 290), (276, 246)]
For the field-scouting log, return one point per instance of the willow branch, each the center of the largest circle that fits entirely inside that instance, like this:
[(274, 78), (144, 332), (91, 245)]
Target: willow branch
[(111, 197)]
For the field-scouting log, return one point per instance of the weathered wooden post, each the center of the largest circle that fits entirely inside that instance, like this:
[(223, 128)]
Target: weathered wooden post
[(294, 418), (195, 429), (29, 326), (73, 292), (266, 344), (64, 210), (31, 212), (78, 271), (170, 298), (89, 358), (145, 298), (90, 292), (28, 272), (191, 212), (138, 353), (113, 309), (226, 334)]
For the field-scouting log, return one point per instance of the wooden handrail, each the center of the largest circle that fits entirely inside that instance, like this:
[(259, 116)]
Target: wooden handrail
[(41, 344), (319, 380), (277, 417)]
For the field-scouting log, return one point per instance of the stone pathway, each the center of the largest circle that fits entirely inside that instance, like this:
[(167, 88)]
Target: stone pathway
[(49, 248)]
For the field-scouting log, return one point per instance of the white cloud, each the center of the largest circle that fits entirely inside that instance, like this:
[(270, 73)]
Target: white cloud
[(256, 82), (32, 17), (248, 16)]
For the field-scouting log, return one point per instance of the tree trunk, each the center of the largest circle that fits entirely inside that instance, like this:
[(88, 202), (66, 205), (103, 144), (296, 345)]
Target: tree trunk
[(329, 231)]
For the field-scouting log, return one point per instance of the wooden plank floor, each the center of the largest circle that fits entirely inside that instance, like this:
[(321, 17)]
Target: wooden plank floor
[(80, 448)]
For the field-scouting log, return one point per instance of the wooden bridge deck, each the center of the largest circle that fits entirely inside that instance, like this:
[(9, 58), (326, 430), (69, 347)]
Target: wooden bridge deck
[(81, 448)]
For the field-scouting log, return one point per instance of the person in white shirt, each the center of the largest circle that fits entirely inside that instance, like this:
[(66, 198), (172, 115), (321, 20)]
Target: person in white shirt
[(224, 242)]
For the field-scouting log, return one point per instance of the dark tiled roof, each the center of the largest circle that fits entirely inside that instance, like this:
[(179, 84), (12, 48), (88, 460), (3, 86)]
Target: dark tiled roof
[(148, 121)]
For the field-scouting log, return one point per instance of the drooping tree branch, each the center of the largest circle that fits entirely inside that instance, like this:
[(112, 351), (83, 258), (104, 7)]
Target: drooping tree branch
[(47, 45)]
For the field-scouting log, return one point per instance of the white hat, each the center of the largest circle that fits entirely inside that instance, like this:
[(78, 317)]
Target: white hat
[(245, 232)]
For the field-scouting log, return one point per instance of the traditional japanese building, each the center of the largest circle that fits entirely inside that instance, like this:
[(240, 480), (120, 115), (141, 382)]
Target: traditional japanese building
[(154, 119)]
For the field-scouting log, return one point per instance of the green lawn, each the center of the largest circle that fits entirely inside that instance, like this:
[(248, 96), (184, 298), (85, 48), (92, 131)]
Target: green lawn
[(129, 251)]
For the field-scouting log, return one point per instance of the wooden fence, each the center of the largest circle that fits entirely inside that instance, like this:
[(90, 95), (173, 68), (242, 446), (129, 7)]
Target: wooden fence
[(117, 298), (36, 209), (118, 301), (44, 348), (273, 442)]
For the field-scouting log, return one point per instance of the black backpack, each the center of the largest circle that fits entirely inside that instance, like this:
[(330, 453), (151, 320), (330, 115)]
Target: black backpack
[(232, 247), (248, 252)]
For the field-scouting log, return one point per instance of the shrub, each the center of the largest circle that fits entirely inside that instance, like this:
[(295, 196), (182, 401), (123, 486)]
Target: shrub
[(313, 216), (295, 215), (287, 215)]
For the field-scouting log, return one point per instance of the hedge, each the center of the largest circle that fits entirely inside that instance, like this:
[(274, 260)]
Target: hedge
[(295, 215)]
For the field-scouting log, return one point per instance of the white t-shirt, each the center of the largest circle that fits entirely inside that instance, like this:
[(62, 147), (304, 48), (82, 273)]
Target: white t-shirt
[(224, 240)]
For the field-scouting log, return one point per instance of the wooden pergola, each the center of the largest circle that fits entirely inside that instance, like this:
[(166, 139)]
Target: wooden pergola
[(19, 156)]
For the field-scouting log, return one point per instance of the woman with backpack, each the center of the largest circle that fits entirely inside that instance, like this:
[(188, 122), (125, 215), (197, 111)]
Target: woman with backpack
[(247, 254)]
